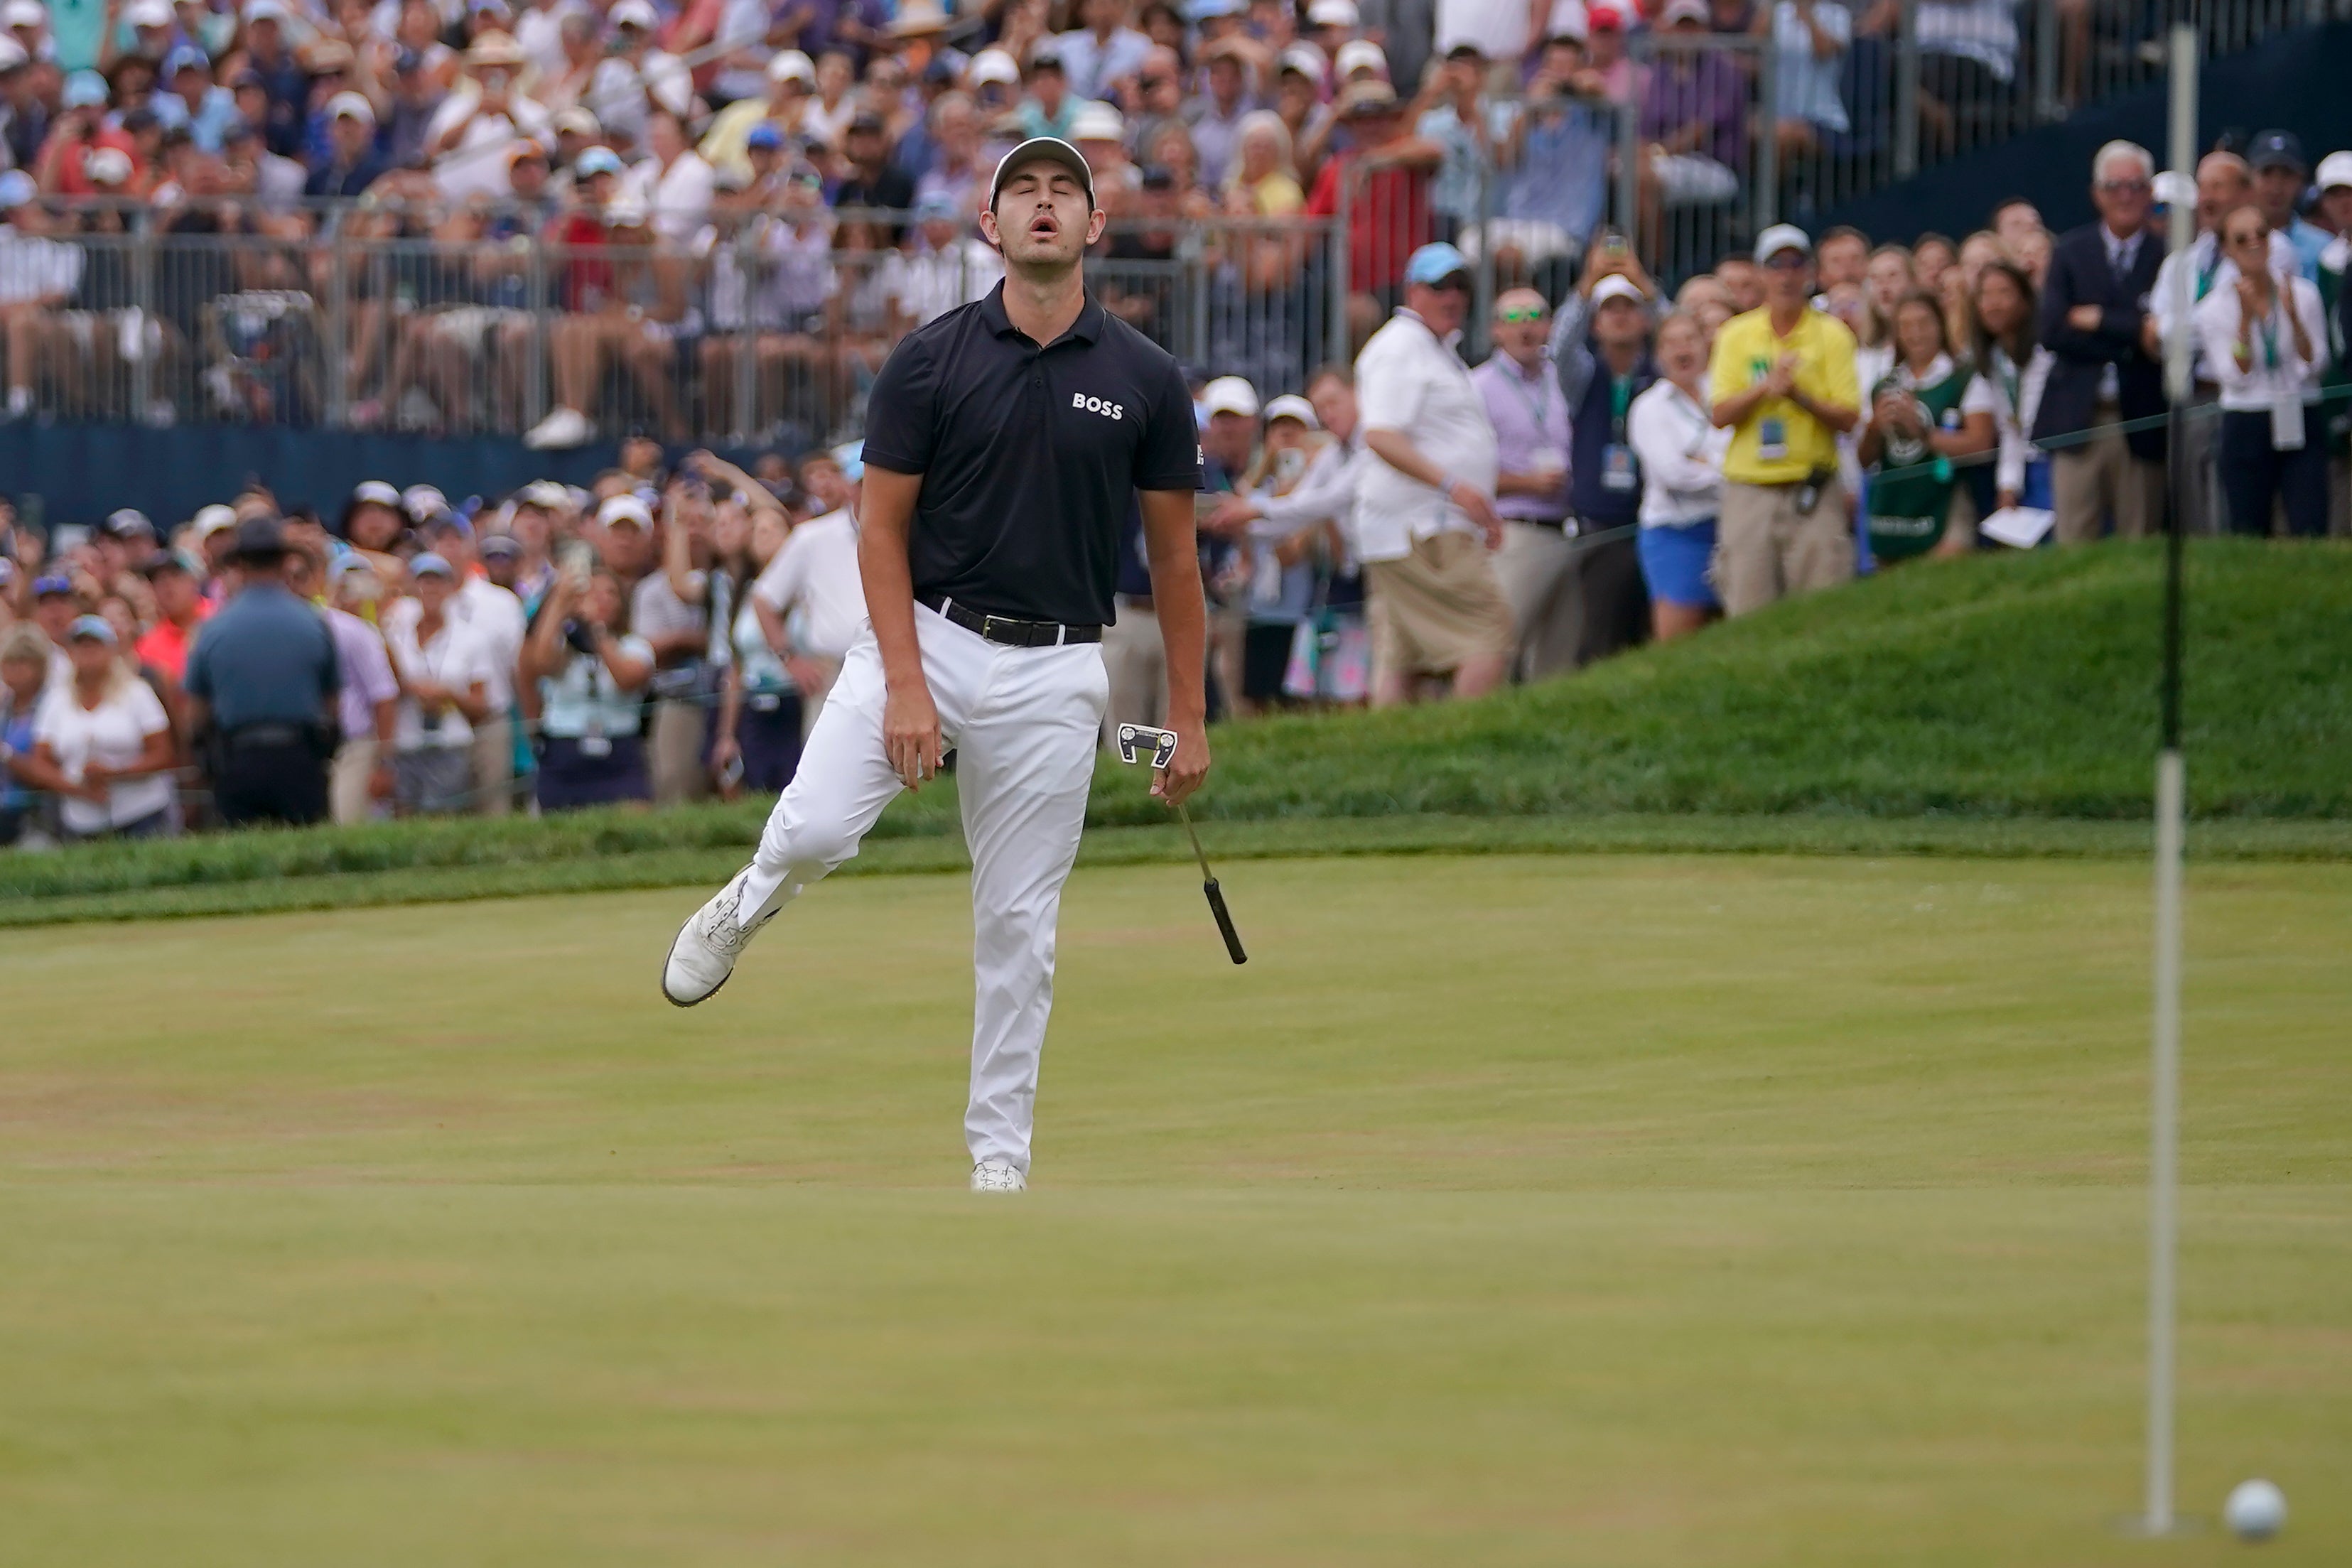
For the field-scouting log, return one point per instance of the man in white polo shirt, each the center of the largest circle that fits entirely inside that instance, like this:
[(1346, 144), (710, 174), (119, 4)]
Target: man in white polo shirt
[(1426, 520)]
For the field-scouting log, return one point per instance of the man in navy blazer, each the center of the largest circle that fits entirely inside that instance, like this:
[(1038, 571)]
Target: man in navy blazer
[(2092, 310)]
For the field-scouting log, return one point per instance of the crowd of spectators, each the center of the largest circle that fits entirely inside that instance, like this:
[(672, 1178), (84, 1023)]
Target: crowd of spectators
[(739, 204), (1624, 465)]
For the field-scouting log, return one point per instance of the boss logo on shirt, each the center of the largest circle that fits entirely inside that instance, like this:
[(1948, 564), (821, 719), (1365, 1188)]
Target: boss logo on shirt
[(1103, 406)]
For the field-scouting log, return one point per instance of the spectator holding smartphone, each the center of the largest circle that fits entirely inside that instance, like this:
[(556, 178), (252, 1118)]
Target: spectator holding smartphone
[(592, 674), (1782, 382), (445, 674)]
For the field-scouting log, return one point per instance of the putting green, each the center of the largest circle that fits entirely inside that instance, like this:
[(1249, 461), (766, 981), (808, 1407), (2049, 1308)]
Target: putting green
[(1581, 1210)]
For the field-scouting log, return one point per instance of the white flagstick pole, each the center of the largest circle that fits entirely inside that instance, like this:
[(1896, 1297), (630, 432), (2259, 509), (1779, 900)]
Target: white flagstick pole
[(2164, 1100)]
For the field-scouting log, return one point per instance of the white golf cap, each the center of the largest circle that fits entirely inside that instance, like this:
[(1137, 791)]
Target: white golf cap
[(1683, 11), (351, 106), (578, 121), (546, 495), (791, 65), (624, 509), (1360, 55), (2175, 189), (265, 11), (633, 14), (1290, 405), (1306, 60), (2334, 170), (149, 13), (1780, 237), (107, 165), (210, 520), (421, 501), (375, 493), (1618, 287), (1053, 149), (1331, 14), (1098, 122), (24, 13), (1230, 394), (992, 65)]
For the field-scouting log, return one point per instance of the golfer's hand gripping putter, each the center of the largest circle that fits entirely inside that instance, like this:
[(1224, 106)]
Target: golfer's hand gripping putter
[(1132, 739)]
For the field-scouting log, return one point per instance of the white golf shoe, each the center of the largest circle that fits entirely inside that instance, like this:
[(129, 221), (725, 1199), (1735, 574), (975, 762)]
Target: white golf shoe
[(708, 945), (997, 1174)]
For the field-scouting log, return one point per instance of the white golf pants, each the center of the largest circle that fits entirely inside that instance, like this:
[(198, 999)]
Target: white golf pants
[(1023, 723)]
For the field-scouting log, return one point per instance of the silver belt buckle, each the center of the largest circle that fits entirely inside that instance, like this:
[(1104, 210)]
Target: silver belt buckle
[(988, 627)]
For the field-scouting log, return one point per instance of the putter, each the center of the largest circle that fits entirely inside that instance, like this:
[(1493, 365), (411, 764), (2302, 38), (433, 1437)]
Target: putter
[(1132, 739)]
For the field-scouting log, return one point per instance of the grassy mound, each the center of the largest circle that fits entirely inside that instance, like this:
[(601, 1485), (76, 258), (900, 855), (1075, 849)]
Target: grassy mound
[(2000, 685), (2005, 701)]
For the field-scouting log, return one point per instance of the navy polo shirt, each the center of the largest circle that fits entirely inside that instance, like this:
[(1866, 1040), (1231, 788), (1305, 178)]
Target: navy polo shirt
[(267, 658), (1030, 455)]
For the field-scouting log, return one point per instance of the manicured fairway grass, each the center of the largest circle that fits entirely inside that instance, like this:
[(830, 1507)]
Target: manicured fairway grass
[(1588, 1211)]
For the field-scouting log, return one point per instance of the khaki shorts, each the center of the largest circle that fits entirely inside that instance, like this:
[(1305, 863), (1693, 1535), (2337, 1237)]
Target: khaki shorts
[(1765, 549), (1439, 608)]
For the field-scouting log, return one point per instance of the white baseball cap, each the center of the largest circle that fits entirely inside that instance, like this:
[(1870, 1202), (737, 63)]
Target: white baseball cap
[(2334, 170), (789, 64), (633, 14), (1683, 11), (1098, 122), (1290, 405), (149, 13), (1618, 287), (265, 11), (376, 493), (1780, 237), (1360, 55), (24, 13), (2175, 189), (210, 520), (578, 123), (624, 509), (1331, 14), (992, 65), (1306, 60), (107, 165), (351, 106), (1230, 394)]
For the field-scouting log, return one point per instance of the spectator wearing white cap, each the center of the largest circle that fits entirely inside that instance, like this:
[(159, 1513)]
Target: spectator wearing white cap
[(1782, 380), (591, 673), (639, 75), (187, 97), (352, 162), (1497, 29), (1529, 412), (809, 602), (1228, 413), (1425, 518), (1279, 565), (1104, 51), (360, 775), (103, 743), (445, 674)]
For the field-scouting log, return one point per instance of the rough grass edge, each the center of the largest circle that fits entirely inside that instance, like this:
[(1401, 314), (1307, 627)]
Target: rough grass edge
[(705, 865)]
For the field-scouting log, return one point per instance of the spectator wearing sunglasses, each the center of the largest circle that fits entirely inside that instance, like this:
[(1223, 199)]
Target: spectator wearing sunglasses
[(2093, 311), (1531, 416), (2264, 333)]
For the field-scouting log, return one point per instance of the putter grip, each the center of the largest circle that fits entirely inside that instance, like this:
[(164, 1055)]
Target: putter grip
[(1224, 922)]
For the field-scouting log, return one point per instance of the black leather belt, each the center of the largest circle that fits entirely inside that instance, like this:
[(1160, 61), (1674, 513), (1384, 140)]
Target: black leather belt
[(1010, 631)]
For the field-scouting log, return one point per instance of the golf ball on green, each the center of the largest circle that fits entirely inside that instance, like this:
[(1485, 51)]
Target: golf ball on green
[(2255, 1510)]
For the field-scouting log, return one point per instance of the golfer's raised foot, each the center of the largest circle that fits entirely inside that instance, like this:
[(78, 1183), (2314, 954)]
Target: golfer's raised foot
[(708, 945), (997, 1174)]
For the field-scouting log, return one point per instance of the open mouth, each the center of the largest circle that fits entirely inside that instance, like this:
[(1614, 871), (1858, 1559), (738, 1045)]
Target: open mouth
[(1045, 225)]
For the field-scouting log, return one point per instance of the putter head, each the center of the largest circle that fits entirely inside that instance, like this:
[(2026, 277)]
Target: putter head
[(1134, 737)]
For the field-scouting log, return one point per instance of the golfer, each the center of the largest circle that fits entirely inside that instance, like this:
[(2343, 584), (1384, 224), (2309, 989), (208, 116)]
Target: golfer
[(1004, 443)]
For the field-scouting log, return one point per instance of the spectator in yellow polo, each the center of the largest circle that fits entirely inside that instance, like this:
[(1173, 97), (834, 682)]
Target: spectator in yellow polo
[(1782, 380)]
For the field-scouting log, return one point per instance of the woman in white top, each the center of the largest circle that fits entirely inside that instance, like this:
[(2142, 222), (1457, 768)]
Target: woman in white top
[(2014, 368), (101, 742), (2266, 338), (1680, 453), (444, 670)]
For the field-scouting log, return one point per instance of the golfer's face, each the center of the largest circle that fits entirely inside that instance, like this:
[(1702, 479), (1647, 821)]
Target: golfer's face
[(1043, 215)]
